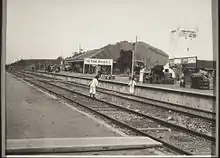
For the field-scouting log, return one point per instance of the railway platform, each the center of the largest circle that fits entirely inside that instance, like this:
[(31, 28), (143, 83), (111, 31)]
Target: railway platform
[(126, 80), (83, 145), (169, 94), (37, 120)]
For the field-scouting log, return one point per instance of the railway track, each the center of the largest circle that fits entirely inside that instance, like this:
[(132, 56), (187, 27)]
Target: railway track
[(176, 138), (195, 122), (156, 103)]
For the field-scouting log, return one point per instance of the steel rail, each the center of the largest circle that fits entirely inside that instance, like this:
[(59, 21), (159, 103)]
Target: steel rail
[(159, 101), (117, 122), (124, 95), (165, 123)]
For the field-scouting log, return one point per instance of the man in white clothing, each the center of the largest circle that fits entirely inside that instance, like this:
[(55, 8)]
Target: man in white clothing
[(141, 76), (132, 85), (93, 84)]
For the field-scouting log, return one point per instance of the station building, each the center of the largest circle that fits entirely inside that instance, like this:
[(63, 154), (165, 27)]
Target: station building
[(121, 54)]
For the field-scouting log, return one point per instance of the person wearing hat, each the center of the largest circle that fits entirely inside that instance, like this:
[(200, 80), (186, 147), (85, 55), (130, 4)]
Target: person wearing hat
[(93, 84)]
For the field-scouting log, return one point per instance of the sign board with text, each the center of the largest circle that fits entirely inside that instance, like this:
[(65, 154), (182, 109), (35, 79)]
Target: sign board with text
[(188, 34), (189, 60), (91, 61), (183, 61)]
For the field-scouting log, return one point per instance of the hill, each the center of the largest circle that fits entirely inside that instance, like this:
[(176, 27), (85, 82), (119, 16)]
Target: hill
[(145, 53)]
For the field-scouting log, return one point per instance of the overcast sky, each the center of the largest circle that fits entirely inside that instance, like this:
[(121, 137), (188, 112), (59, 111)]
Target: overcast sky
[(45, 28)]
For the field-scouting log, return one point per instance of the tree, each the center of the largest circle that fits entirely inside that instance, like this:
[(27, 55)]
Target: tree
[(125, 60)]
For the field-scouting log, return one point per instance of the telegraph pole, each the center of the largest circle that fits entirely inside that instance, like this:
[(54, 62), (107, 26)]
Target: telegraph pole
[(79, 48), (133, 57)]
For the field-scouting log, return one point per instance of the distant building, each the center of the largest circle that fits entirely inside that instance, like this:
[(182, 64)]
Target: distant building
[(206, 65), (36, 63), (189, 65)]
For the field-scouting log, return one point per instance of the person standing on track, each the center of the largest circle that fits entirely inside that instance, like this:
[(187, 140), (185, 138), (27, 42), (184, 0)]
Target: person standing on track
[(93, 84), (132, 85)]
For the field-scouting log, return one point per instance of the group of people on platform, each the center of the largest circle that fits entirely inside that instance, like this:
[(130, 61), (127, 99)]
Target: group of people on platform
[(132, 83), (95, 81)]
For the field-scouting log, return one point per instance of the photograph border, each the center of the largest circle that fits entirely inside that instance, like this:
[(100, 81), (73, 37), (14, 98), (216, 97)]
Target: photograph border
[(214, 12), (3, 59)]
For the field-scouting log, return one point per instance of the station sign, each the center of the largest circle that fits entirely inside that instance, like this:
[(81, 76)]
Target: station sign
[(92, 61), (189, 60), (184, 60), (187, 33)]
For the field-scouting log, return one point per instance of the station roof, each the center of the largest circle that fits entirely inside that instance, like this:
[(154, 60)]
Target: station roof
[(24, 63), (80, 57), (203, 64), (206, 64)]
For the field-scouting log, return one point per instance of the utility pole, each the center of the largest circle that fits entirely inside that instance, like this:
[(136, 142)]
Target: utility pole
[(79, 48), (133, 57)]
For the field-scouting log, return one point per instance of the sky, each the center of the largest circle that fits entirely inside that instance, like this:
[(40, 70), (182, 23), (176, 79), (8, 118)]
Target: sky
[(50, 28)]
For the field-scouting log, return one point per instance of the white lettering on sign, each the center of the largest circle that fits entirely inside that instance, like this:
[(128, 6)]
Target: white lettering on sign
[(189, 60), (185, 60), (98, 61)]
